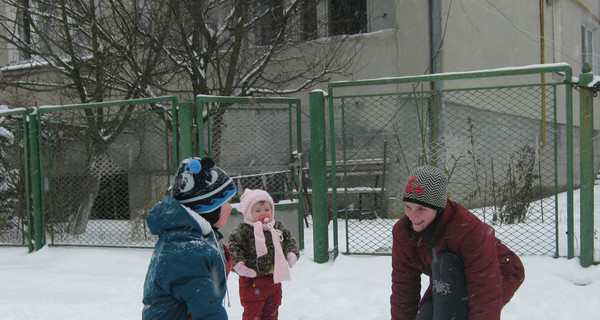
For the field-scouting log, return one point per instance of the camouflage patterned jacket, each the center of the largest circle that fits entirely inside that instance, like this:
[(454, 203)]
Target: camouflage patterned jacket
[(242, 247)]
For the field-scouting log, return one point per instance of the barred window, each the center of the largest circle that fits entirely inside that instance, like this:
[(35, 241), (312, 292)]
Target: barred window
[(270, 14), (309, 20), (348, 16)]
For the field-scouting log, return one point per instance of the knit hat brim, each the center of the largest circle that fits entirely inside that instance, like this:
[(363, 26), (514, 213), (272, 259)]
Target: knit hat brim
[(423, 203), (208, 204)]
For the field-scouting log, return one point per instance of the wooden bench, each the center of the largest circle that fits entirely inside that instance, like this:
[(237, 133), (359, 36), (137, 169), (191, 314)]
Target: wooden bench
[(360, 177)]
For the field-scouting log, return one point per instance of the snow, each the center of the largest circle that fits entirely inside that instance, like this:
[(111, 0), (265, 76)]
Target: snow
[(64, 283), (7, 135)]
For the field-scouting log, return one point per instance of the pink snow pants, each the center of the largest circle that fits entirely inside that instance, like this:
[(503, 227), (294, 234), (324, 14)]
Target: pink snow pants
[(260, 298)]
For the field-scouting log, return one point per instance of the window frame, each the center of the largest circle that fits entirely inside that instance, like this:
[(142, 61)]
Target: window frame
[(589, 47)]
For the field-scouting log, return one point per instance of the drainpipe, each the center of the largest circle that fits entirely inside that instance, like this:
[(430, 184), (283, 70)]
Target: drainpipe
[(437, 101), (543, 75)]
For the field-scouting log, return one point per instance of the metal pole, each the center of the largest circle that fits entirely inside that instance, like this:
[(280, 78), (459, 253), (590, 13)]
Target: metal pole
[(27, 166), (175, 133), (333, 170), (436, 113), (318, 176), (586, 161), (186, 122), (297, 106), (570, 186), (36, 181)]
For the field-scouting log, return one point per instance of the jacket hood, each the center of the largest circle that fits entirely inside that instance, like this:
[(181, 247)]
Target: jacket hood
[(170, 214)]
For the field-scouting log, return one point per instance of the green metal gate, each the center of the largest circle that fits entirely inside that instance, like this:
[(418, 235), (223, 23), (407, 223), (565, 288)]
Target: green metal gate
[(101, 166), (496, 137), (95, 169), (258, 142)]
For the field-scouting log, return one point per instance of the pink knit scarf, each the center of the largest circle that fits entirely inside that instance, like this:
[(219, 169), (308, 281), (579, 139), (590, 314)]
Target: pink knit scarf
[(249, 198), (280, 272)]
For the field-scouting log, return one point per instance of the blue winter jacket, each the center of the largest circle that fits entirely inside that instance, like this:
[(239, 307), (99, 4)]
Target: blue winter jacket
[(187, 271)]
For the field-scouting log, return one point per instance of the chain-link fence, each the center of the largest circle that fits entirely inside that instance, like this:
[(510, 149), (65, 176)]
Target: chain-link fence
[(104, 165), (100, 166), (258, 142), (13, 200), (498, 145)]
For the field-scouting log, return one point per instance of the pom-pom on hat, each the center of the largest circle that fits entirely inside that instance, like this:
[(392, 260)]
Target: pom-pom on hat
[(427, 186), (202, 186)]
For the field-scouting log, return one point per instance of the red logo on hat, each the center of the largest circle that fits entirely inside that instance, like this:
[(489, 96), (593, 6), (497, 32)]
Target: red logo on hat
[(417, 189)]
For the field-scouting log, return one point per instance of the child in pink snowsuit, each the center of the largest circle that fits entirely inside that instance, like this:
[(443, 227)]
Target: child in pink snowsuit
[(262, 249)]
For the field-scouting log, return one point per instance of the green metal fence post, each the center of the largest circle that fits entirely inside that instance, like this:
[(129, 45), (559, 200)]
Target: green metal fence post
[(26, 166), (186, 122), (570, 183), (318, 176), (587, 167), (175, 132), (36, 180), (300, 173)]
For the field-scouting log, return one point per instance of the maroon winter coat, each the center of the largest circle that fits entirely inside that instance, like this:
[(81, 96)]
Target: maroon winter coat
[(492, 272)]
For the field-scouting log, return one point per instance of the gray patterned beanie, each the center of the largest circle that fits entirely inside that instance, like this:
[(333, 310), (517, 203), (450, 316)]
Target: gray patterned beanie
[(427, 186)]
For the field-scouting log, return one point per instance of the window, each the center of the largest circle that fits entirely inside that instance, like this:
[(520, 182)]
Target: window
[(309, 20), (347, 16), (24, 31), (270, 13), (587, 46), (32, 21)]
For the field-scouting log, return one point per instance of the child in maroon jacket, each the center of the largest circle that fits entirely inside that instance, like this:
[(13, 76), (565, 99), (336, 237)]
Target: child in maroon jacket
[(262, 250), (472, 274)]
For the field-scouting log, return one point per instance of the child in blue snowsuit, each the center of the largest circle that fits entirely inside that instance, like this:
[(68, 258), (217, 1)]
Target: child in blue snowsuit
[(187, 275)]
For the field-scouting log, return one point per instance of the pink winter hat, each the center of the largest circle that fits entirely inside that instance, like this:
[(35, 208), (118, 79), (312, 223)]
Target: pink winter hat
[(252, 196)]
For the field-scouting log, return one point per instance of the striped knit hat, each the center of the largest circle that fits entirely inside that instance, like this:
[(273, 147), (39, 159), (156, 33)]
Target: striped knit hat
[(202, 187), (427, 186)]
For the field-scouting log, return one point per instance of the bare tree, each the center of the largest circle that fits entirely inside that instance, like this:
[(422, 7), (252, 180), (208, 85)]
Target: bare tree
[(85, 51), (97, 50), (250, 48), (244, 48), (94, 50)]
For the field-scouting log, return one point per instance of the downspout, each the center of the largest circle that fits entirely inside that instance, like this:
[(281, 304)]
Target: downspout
[(543, 75), (436, 40), (437, 100)]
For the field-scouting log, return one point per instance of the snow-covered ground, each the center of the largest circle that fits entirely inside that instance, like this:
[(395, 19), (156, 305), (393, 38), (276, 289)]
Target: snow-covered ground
[(61, 283)]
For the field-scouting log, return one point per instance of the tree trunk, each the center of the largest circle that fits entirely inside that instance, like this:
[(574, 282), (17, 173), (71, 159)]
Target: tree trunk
[(89, 193)]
